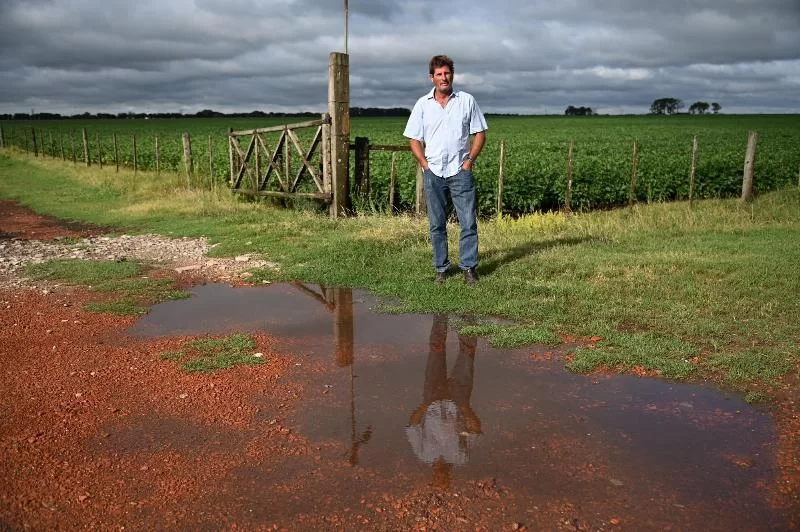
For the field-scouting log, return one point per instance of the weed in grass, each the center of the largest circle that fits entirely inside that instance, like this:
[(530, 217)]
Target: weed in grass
[(509, 337), (665, 355), (83, 272), (755, 398), (748, 365), (210, 354)]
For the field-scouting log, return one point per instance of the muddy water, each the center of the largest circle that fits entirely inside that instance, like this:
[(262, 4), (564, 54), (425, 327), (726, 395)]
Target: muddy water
[(404, 400)]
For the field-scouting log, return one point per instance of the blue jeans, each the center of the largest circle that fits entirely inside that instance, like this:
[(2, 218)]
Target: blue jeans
[(461, 189)]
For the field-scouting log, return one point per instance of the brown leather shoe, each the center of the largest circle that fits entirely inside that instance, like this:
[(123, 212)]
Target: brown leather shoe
[(470, 276)]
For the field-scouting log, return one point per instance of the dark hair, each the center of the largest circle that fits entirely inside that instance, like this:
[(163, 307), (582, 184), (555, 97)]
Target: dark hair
[(438, 61)]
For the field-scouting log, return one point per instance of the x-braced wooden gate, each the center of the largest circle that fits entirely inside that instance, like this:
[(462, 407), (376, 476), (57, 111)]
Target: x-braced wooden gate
[(253, 168)]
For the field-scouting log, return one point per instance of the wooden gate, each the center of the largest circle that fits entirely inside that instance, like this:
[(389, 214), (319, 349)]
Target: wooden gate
[(278, 169)]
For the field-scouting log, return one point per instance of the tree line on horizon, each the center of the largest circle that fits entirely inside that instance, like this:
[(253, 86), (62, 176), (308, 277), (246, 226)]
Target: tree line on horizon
[(671, 106), (660, 106), (205, 113)]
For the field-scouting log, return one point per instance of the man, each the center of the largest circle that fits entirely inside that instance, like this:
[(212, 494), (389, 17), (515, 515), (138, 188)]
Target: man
[(439, 131)]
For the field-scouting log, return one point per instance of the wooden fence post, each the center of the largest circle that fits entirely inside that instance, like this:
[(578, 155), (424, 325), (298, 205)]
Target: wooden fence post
[(211, 163), (231, 140), (568, 195), (325, 154), (116, 151), (287, 160), (420, 207), (86, 160), (691, 173), (392, 184), (257, 161), (749, 167), (362, 167), (634, 170), (339, 109), (187, 159), (500, 178)]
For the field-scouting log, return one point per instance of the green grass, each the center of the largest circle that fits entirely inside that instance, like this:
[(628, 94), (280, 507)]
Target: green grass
[(705, 293), (84, 272), (204, 355), (131, 293)]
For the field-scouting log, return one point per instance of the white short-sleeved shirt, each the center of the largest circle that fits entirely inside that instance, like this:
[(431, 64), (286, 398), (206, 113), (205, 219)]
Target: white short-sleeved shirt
[(445, 130)]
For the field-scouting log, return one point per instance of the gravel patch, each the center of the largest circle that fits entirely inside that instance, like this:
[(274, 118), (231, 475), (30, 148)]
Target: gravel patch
[(181, 254)]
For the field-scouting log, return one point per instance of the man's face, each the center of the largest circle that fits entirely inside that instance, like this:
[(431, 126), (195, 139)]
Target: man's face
[(442, 79)]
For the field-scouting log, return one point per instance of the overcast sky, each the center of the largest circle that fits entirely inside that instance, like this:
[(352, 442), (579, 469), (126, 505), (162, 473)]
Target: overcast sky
[(515, 56)]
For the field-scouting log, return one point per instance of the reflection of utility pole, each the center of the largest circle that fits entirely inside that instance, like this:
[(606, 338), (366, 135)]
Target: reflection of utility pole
[(343, 326), (339, 301), (343, 335)]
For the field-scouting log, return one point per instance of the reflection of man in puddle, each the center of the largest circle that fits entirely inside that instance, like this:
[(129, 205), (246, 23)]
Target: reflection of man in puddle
[(444, 427)]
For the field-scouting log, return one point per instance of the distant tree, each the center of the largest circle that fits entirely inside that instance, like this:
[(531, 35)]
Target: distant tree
[(578, 111), (699, 108), (208, 113), (716, 107), (668, 106)]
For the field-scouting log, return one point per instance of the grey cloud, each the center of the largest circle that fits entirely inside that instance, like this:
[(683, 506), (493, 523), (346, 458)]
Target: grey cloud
[(515, 55)]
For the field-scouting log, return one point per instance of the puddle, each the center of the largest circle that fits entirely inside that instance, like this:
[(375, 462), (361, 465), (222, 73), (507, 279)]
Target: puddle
[(404, 401)]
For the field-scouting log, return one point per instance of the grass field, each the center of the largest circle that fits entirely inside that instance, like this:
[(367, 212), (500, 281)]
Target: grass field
[(708, 293), (535, 168)]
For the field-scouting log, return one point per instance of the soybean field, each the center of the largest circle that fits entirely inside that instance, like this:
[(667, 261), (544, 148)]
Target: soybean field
[(614, 159)]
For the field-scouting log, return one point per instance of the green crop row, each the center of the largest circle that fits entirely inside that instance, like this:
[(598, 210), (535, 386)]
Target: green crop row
[(534, 169)]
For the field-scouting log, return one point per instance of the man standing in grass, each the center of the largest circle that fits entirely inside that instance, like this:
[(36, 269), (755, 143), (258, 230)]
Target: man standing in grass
[(439, 131)]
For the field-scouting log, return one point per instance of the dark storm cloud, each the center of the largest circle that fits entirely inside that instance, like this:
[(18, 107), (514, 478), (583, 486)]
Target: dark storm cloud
[(515, 55)]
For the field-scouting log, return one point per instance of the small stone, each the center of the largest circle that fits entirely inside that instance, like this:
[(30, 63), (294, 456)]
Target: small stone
[(193, 267)]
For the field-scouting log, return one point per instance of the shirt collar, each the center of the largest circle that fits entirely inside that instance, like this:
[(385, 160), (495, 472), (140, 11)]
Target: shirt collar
[(430, 94)]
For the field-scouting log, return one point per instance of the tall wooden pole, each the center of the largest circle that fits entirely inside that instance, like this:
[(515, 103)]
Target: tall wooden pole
[(346, 24), (339, 109)]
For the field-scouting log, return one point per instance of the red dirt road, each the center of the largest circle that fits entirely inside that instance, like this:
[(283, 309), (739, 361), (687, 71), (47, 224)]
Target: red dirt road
[(98, 432)]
